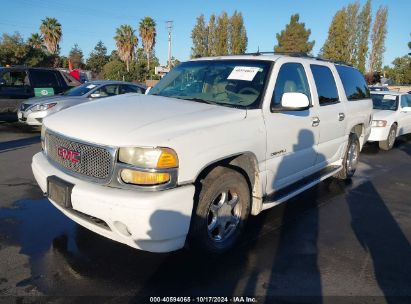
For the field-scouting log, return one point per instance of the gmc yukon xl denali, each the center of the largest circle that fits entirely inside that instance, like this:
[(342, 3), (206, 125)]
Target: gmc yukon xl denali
[(215, 141)]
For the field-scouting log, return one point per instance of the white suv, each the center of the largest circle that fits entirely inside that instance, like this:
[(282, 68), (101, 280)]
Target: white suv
[(216, 140)]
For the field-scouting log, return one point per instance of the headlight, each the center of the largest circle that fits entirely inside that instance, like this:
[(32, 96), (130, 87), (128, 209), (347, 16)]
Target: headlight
[(43, 134), (151, 158), (153, 166), (379, 123), (42, 107)]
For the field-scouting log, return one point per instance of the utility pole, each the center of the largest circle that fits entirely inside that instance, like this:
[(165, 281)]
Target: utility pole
[(169, 28)]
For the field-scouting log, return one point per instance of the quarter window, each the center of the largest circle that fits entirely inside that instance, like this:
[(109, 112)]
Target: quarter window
[(291, 79), (353, 82), (325, 83)]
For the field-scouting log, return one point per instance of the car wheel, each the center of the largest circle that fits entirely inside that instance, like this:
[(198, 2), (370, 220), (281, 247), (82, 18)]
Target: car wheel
[(389, 142), (350, 160), (221, 213)]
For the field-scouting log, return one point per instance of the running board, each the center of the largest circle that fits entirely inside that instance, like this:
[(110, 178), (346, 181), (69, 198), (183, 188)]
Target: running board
[(292, 190)]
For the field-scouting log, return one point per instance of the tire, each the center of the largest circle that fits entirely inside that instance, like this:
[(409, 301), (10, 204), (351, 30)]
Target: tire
[(389, 142), (350, 160), (221, 212)]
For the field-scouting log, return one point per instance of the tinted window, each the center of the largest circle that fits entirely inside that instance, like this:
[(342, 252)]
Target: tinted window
[(405, 101), (325, 83), (15, 78), (291, 79), (81, 90), (353, 82), (43, 79), (130, 89)]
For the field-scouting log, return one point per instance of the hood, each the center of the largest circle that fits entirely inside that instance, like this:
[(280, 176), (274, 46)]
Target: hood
[(138, 120), (383, 114), (38, 100)]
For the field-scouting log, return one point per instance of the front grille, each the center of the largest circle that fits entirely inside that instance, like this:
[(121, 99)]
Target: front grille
[(94, 161), (24, 106)]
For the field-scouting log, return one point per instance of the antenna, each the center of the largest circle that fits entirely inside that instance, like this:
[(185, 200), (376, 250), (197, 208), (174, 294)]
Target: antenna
[(169, 26)]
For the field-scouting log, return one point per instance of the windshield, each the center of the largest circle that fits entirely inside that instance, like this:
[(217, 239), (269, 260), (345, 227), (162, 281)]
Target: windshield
[(232, 83), (80, 90), (385, 102)]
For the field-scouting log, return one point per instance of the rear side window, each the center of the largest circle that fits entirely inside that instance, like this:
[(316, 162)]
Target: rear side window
[(325, 83), (353, 82), (15, 78), (130, 89), (43, 79), (291, 79)]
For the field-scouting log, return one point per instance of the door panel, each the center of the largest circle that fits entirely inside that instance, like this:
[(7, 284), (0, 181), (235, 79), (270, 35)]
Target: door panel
[(291, 136), (331, 113)]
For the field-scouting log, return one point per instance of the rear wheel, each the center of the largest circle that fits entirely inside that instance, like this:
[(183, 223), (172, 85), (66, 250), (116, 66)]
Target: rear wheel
[(222, 210), (389, 142), (350, 160)]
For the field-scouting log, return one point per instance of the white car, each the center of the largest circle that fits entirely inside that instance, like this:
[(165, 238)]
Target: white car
[(392, 117), (215, 141)]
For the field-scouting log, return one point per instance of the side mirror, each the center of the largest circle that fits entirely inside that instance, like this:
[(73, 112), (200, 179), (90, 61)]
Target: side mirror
[(293, 102), (406, 109), (95, 95)]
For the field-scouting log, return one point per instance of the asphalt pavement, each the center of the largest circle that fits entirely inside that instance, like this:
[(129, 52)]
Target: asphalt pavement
[(335, 243)]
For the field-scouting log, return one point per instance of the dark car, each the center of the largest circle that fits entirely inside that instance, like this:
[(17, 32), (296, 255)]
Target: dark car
[(20, 83)]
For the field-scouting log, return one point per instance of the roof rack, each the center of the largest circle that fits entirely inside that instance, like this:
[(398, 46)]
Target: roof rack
[(298, 54)]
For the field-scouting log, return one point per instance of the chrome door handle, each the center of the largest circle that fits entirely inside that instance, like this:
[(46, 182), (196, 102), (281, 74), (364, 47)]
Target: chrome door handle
[(316, 121), (341, 116)]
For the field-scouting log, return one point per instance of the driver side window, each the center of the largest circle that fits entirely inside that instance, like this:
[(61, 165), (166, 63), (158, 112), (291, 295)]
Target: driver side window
[(291, 79)]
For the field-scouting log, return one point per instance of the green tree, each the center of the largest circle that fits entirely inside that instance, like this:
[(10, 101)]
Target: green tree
[(126, 42), (174, 62), (363, 34), (98, 58), (222, 34), (352, 11), (336, 45), (51, 30), (211, 36), (148, 34), (76, 57), (400, 73), (294, 38), (13, 50), (35, 40), (379, 32), (238, 35), (199, 36)]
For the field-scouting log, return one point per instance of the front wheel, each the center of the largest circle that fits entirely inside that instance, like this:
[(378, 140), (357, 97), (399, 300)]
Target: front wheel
[(222, 210), (350, 160), (389, 142)]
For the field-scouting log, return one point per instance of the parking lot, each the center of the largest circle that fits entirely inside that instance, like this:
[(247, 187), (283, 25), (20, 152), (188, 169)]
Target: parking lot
[(336, 239)]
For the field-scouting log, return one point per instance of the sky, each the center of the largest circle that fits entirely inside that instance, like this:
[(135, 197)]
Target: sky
[(87, 22)]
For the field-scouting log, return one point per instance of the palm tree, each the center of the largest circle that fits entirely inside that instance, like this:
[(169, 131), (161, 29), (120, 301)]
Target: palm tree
[(126, 42), (51, 30), (35, 41), (148, 34)]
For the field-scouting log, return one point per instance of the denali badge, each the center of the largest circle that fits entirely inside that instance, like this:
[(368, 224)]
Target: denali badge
[(72, 156)]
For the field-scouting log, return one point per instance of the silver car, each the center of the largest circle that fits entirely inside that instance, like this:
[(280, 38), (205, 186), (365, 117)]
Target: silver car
[(33, 110)]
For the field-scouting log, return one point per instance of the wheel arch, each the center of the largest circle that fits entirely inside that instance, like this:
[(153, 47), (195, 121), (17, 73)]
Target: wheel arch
[(360, 132), (245, 163)]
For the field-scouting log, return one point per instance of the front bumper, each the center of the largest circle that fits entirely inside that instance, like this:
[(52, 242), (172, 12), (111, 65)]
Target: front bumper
[(32, 118), (379, 133), (151, 221)]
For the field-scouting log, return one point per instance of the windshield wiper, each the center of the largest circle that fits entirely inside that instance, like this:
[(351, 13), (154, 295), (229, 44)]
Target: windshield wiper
[(196, 99)]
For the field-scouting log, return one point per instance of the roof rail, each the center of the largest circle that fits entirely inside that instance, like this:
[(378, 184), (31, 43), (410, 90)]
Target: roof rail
[(298, 54)]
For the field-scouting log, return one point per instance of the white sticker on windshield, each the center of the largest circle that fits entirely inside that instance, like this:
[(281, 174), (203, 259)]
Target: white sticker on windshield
[(91, 86), (243, 73), (390, 97)]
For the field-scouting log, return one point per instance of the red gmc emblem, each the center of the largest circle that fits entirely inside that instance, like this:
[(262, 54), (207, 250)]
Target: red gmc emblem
[(72, 156)]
